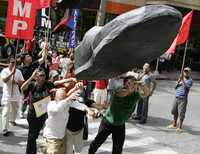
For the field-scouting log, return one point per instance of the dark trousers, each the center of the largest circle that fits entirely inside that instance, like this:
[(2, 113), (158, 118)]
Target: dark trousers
[(35, 125), (89, 88), (105, 129), (23, 107), (142, 108)]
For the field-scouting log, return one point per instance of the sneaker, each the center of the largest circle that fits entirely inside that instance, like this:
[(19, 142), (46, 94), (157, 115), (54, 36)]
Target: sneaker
[(142, 122), (179, 131), (12, 123), (5, 133), (135, 117), (21, 115), (171, 126)]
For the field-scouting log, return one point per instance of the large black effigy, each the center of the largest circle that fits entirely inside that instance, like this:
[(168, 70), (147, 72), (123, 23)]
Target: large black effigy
[(129, 40)]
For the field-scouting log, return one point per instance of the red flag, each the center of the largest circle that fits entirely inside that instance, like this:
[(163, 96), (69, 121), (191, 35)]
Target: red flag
[(20, 19), (183, 34), (60, 25), (45, 3)]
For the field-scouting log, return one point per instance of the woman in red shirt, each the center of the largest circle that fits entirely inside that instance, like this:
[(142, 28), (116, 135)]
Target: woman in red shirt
[(100, 93)]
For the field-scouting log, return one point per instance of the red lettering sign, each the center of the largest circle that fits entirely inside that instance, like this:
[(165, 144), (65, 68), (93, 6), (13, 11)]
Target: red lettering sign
[(20, 19)]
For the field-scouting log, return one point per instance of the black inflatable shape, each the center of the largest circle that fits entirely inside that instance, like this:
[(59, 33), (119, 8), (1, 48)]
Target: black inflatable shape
[(130, 39)]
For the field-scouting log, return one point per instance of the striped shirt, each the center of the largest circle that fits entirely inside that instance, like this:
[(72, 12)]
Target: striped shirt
[(183, 90)]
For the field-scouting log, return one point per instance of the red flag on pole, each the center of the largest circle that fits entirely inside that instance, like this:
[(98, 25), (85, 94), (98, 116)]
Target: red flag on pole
[(183, 34), (20, 19), (45, 3)]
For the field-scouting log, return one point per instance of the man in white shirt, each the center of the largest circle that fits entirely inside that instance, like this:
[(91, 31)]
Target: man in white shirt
[(58, 115), (12, 78)]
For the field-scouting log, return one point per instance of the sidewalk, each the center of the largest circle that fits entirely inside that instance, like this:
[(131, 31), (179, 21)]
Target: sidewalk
[(175, 75)]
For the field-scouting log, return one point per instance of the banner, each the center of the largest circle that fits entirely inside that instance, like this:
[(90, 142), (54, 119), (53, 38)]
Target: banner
[(43, 19), (183, 34), (45, 3), (20, 19), (72, 24)]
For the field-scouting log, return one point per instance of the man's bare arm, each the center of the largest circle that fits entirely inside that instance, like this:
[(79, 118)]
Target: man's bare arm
[(44, 56)]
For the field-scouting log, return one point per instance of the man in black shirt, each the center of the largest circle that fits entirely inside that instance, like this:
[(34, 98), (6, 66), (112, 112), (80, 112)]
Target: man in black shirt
[(39, 89), (27, 70)]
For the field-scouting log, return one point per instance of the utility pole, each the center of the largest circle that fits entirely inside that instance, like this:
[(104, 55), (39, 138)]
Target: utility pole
[(101, 13)]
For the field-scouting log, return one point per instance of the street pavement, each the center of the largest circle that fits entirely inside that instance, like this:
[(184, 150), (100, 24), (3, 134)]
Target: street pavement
[(150, 138)]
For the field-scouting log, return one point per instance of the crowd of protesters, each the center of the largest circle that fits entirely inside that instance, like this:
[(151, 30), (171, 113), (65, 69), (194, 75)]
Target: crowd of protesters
[(46, 76)]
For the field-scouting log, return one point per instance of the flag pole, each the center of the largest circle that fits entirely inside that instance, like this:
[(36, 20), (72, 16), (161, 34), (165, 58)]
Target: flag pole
[(183, 64), (48, 29), (157, 64), (185, 52), (47, 34), (17, 46)]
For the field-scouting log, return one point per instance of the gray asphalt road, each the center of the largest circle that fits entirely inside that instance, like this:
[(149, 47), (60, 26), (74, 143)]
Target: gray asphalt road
[(151, 138)]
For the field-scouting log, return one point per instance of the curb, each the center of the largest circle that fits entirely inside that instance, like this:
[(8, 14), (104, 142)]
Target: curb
[(175, 79)]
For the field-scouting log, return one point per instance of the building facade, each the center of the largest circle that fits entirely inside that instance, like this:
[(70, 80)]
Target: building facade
[(116, 7)]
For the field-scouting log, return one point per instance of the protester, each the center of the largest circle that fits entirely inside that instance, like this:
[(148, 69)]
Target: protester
[(12, 79), (77, 123), (119, 111), (148, 79), (134, 72), (70, 70), (89, 89), (9, 48), (57, 110), (55, 62), (100, 93), (29, 45), (64, 62), (27, 70), (114, 83), (39, 89), (181, 99)]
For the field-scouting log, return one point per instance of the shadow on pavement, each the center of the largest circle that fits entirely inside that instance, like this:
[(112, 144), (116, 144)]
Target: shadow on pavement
[(3, 152), (12, 140), (22, 126), (103, 152), (160, 124)]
